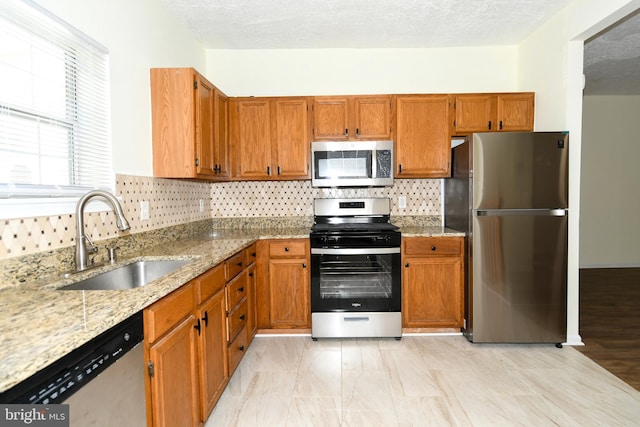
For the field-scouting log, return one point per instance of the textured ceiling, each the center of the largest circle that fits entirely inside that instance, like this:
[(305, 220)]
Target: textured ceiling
[(611, 60)]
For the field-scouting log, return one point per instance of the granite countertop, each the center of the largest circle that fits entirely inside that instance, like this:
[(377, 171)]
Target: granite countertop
[(39, 324)]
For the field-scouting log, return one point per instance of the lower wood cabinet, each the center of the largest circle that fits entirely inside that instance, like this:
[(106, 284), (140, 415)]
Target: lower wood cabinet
[(283, 293), (194, 339), (214, 373), (175, 377), (432, 282)]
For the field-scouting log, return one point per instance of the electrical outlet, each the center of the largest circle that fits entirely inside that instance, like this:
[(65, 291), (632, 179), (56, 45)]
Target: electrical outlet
[(201, 205), (144, 210), (402, 202)]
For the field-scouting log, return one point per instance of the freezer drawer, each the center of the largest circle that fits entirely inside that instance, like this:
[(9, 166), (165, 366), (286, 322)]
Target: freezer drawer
[(517, 288)]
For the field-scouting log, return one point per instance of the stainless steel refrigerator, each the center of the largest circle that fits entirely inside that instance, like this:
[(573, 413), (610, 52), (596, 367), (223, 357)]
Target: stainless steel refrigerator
[(509, 193)]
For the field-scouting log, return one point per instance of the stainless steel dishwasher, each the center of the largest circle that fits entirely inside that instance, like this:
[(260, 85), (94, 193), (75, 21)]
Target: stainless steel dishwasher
[(102, 381)]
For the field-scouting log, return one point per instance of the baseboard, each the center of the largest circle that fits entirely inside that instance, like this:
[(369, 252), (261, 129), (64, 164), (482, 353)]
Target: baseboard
[(574, 340), (597, 266)]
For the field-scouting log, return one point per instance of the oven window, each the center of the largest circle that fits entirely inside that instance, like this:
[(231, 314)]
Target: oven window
[(356, 277), (343, 164)]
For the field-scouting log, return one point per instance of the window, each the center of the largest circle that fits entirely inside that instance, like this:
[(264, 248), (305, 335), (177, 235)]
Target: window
[(54, 107)]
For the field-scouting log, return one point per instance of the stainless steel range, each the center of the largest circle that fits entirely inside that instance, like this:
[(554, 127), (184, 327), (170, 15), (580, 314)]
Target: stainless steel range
[(355, 270)]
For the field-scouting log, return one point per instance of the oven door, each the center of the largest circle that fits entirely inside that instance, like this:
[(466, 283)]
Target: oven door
[(362, 279)]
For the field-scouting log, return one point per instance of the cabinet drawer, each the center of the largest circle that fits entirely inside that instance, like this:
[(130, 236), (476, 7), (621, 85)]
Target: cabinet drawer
[(236, 320), (166, 313), (432, 246), (250, 255), (210, 282), (237, 349), (235, 291), (233, 265), (288, 248)]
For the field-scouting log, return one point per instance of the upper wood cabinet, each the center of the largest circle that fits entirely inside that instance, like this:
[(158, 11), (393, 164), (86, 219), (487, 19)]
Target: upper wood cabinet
[(221, 161), (423, 139), (502, 112), (341, 118), (183, 114), (270, 138)]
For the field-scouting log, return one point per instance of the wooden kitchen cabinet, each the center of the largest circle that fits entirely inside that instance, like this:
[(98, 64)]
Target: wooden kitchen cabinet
[(270, 138), (183, 115), (503, 112), (341, 118), (283, 280), (432, 282), (211, 318), (240, 304), (171, 357), (221, 154), (191, 341), (423, 139)]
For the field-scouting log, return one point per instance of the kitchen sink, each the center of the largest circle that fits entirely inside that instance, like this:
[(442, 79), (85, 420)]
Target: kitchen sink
[(129, 276)]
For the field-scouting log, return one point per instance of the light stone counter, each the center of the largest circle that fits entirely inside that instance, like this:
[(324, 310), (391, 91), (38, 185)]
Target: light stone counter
[(429, 231), (39, 324)]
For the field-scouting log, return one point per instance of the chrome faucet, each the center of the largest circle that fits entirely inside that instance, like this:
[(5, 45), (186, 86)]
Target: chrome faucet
[(84, 245)]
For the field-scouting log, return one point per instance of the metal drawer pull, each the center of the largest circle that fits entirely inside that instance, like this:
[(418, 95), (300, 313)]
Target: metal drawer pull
[(241, 348), (241, 289), (433, 248), (356, 319), (242, 317), (206, 318)]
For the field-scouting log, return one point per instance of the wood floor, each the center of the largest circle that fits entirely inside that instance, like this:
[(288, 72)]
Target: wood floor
[(610, 320)]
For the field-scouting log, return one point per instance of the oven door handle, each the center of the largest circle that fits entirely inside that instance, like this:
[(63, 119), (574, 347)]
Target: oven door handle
[(354, 251)]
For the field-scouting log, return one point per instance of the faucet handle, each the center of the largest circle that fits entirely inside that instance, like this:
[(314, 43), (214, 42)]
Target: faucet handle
[(92, 248)]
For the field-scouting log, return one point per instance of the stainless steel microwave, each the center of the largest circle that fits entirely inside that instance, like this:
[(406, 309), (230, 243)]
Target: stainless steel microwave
[(351, 163)]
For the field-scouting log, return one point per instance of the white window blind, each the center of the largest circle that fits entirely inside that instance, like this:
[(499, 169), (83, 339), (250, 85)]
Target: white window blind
[(54, 106)]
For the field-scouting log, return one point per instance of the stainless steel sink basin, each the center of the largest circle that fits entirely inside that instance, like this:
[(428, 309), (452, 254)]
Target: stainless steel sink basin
[(129, 276)]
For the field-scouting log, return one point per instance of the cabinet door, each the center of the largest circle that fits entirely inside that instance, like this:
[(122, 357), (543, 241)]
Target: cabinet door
[(173, 122), (221, 135), (515, 112), (423, 146), (204, 126), (212, 352), (174, 383), (432, 292), (289, 293), (291, 138), (251, 124), (474, 113), (372, 116), (252, 321), (331, 118)]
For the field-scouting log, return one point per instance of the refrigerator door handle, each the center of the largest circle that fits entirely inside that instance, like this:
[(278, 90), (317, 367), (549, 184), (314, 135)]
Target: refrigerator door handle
[(521, 212)]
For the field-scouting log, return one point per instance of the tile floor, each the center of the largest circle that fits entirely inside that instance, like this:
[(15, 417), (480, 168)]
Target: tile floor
[(420, 381)]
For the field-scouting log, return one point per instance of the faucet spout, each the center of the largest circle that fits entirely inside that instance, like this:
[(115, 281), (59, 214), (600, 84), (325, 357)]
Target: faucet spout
[(82, 249)]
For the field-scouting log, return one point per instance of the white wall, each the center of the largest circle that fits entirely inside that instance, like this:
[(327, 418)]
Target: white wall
[(610, 197), (139, 34), (363, 71), (551, 61)]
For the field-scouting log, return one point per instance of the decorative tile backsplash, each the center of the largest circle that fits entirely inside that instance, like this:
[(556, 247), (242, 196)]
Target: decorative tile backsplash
[(173, 202)]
